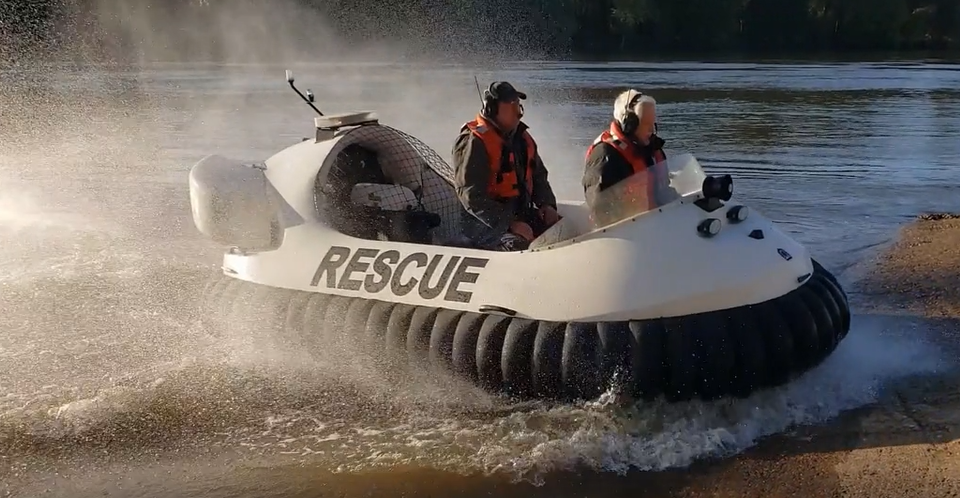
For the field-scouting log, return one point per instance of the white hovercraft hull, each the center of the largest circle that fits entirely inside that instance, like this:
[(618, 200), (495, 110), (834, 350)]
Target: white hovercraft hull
[(647, 299)]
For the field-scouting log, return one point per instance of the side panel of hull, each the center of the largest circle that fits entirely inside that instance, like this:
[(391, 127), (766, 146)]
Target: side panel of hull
[(655, 266), (707, 355)]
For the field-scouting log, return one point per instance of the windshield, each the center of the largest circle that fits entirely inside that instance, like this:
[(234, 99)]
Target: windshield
[(659, 185)]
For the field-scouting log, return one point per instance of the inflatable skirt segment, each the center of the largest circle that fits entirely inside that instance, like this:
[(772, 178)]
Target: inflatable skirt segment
[(732, 352)]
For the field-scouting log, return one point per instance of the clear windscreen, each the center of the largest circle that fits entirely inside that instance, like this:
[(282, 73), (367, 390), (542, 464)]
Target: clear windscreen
[(657, 186)]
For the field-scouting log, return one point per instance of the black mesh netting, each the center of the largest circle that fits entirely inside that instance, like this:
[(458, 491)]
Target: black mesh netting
[(404, 160)]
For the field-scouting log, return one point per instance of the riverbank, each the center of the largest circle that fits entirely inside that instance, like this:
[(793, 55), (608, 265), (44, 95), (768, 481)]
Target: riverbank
[(920, 272)]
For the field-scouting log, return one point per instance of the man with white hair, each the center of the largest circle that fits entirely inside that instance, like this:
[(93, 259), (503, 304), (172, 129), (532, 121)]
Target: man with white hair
[(629, 146)]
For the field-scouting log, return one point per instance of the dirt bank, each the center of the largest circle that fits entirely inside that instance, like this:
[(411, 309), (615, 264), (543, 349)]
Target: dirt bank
[(920, 272)]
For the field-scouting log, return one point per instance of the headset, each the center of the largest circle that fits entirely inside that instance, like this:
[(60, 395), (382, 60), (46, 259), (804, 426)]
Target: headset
[(630, 119), (490, 102)]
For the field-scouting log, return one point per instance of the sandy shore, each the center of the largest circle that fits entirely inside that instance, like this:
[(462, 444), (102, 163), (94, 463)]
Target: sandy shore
[(920, 272)]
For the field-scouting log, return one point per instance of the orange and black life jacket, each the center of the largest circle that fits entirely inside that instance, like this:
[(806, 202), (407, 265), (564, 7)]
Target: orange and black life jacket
[(643, 189), (503, 182)]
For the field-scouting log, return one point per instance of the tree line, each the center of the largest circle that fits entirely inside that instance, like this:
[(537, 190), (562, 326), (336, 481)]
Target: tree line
[(513, 28)]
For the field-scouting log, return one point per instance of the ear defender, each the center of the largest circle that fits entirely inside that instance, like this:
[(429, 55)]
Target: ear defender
[(631, 121), (489, 103)]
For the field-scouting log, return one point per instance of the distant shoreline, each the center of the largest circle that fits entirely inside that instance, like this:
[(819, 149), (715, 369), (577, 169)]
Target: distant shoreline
[(918, 57)]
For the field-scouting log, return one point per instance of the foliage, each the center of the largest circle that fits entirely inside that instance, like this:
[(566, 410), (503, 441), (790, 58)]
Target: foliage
[(519, 28)]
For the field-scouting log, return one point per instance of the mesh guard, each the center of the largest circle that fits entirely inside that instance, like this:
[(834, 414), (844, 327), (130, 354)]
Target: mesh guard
[(406, 161)]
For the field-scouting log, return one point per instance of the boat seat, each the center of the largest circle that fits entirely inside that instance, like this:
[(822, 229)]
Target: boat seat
[(575, 222)]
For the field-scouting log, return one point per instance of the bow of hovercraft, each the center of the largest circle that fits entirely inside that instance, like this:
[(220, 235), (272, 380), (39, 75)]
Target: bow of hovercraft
[(671, 242), (703, 296)]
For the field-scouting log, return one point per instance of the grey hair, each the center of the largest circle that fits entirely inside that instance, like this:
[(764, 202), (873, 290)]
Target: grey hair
[(620, 111)]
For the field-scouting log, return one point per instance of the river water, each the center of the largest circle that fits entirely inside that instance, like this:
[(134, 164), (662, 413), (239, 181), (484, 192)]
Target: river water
[(108, 387)]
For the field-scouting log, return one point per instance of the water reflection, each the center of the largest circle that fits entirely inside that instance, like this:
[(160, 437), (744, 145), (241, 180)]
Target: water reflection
[(818, 145)]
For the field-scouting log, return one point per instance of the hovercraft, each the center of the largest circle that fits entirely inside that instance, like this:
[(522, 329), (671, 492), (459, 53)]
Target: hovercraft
[(357, 230)]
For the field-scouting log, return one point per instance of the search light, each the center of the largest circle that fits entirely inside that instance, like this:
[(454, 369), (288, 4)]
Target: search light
[(736, 214), (709, 227), (718, 187)]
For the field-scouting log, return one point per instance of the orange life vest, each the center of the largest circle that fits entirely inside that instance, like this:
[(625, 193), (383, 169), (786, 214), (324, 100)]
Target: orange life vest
[(503, 184), (643, 189)]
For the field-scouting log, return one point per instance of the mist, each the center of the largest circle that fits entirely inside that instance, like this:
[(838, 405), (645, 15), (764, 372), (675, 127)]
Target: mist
[(102, 268), (260, 31), (100, 125), (416, 67)]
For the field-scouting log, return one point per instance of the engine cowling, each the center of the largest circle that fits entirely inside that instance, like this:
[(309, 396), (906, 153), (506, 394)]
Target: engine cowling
[(235, 205)]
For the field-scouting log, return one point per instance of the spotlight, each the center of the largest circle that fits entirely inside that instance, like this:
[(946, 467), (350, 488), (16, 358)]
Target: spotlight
[(709, 227), (718, 187), (736, 214)]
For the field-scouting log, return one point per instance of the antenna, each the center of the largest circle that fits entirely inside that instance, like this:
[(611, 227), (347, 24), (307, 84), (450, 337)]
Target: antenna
[(479, 93), (308, 98)]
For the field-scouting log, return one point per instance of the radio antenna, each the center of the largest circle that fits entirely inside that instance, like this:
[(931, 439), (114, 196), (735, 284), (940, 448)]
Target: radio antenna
[(479, 93), (309, 98)]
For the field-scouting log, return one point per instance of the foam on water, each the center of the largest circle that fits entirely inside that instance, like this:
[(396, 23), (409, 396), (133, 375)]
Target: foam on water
[(273, 408)]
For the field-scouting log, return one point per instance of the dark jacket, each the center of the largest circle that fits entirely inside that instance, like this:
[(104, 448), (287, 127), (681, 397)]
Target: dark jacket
[(472, 173), (605, 166)]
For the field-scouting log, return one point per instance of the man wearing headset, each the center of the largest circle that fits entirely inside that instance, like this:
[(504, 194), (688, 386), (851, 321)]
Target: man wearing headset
[(629, 146), (500, 177)]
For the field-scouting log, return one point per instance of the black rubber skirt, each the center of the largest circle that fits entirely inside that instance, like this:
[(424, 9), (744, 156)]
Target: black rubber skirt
[(732, 352)]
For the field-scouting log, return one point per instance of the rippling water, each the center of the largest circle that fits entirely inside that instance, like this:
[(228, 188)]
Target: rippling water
[(103, 366)]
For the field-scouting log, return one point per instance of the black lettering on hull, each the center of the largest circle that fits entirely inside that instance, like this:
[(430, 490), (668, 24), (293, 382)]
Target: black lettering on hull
[(334, 258), (355, 265), (463, 276), (402, 289), (428, 292), (375, 272), (381, 267)]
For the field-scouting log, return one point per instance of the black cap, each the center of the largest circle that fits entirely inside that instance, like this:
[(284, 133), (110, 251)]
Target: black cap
[(505, 92)]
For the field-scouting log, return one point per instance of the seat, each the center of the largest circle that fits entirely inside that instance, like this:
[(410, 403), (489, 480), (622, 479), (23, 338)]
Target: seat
[(575, 221)]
